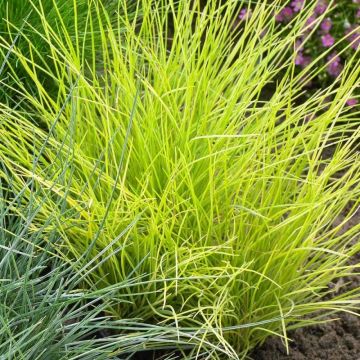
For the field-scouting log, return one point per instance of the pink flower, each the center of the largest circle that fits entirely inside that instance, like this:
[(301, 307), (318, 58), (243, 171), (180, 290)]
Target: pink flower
[(302, 61), (299, 44), (310, 22), (321, 7), (352, 102), (306, 61), (279, 17), (334, 69), (285, 15), (299, 59), (358, 14), (326, 25), (334, 57), (353, 36), (288, 13), (244, 14), (334, 66), (297, 5), (327, 40)]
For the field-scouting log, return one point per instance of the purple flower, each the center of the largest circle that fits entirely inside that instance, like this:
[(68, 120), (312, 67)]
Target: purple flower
[(334, 57), (334, 69), (279, 17), (285, 15), (358, 14), (288, 13), (310, 22), (327, 40), (353, 36), (301, 60), (306, 61), (244, 14), (326, 25), (297, 5), (352, 102), (299, 44), (334, 66), (321, 7)]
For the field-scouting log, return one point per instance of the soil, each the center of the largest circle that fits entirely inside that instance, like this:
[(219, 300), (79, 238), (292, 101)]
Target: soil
[(334, 340)]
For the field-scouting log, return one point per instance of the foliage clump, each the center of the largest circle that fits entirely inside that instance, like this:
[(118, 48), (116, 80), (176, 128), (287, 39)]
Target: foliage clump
[(184, 158)]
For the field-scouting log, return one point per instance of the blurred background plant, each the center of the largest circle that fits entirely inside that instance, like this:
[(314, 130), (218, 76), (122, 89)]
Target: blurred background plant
[(23, 29), (330, 36)]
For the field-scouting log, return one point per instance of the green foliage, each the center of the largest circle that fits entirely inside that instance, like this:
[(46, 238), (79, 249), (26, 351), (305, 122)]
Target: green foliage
[(25, 24), (47, 313), (183, 157)]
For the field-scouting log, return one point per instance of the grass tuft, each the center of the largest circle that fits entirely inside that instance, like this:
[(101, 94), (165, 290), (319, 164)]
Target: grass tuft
[(184, 157)]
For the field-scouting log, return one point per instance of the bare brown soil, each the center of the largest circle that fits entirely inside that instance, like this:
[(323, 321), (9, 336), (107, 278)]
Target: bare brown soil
[(335, 340)]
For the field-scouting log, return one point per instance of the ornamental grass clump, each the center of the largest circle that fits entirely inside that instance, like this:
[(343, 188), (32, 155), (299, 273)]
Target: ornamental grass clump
[(44, 312), (185, 157)]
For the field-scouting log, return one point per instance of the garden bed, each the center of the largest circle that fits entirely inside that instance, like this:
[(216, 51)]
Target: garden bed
[(334, 340)]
